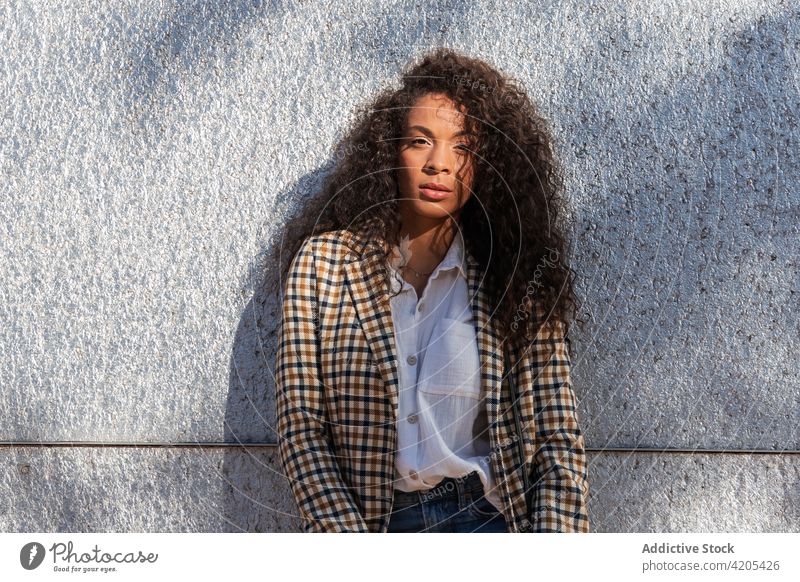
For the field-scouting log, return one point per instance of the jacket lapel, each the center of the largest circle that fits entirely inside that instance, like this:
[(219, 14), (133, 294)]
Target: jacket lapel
[(364, 280)]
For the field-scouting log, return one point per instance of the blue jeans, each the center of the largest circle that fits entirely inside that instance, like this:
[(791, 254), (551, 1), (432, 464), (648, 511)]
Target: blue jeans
[(452, 505)]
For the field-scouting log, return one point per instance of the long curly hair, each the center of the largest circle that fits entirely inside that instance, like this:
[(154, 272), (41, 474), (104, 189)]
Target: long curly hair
[(512, 223)]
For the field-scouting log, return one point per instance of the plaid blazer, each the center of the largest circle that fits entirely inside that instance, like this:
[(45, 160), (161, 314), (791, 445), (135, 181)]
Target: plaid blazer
[(337, 384)]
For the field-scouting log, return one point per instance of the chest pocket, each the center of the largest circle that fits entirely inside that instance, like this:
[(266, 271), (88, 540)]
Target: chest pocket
[(451, 365)]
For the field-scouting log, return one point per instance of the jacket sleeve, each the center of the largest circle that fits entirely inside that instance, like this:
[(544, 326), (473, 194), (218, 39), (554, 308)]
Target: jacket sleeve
[(324, 500), (560, 476)]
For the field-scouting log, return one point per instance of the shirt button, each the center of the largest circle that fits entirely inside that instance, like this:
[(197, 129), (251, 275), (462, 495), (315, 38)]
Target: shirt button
[(412, 418), (413, 475), (421, 306), (411, 359)]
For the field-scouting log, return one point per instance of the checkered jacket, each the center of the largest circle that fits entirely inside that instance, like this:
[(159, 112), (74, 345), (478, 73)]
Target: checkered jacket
[(337, 384)]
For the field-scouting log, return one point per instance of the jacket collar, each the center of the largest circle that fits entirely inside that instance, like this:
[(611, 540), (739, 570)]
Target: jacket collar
[(364, 280)]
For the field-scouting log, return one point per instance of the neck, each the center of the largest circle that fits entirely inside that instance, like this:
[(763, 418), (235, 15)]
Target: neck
[(429, 241)]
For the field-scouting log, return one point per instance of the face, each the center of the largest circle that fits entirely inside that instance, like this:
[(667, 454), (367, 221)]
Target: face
[(434, 152)]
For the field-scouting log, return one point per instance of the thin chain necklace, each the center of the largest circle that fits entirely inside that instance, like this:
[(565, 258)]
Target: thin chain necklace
[(417, 273)]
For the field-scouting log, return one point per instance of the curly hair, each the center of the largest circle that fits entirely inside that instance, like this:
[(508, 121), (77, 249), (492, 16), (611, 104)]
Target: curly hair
[(512, 224)]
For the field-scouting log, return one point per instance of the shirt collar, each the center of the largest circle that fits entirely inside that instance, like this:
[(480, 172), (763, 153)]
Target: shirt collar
[(355, 239), (454, 258)]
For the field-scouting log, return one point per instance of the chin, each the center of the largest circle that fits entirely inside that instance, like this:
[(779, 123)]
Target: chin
[(431, 211)]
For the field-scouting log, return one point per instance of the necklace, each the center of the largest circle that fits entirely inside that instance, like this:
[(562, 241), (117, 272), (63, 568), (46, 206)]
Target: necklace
[(417, 273)]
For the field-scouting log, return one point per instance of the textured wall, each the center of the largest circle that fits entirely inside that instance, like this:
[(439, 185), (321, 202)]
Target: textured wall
[(151, 153)]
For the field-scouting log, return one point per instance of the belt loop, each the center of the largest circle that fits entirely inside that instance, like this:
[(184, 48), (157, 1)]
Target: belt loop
[(460, 487), (476, 486)]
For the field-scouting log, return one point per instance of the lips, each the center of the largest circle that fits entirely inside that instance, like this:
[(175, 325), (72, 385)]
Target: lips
[(434, 195), (435, 186), (433, 191)]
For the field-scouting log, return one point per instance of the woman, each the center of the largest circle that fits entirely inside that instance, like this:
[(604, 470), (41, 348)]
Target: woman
[(438, 256)]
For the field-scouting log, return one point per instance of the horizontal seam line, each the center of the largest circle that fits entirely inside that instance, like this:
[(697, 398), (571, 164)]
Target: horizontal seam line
[(9, 444)]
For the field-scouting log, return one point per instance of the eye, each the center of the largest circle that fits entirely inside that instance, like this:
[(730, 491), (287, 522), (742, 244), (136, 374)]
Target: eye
[(416, 140)]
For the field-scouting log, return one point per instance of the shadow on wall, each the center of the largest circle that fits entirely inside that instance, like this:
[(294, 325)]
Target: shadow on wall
[(250, 474), (183, 44), (735, 215), (192, 36)]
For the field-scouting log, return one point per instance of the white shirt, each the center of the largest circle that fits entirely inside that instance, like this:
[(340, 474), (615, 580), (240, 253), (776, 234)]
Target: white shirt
[(441, 411)]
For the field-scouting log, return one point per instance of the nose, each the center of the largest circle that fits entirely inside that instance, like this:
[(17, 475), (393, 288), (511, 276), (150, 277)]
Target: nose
[(439, 160)]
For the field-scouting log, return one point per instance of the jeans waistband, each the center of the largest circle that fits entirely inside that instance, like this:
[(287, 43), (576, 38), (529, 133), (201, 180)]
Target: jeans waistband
[(447, 487)]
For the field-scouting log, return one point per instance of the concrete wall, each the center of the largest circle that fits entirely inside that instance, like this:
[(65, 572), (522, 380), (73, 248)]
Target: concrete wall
[(151, 153)]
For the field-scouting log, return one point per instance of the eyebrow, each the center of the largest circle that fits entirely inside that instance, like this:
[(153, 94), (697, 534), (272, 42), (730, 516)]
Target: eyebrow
[(429, 133)]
